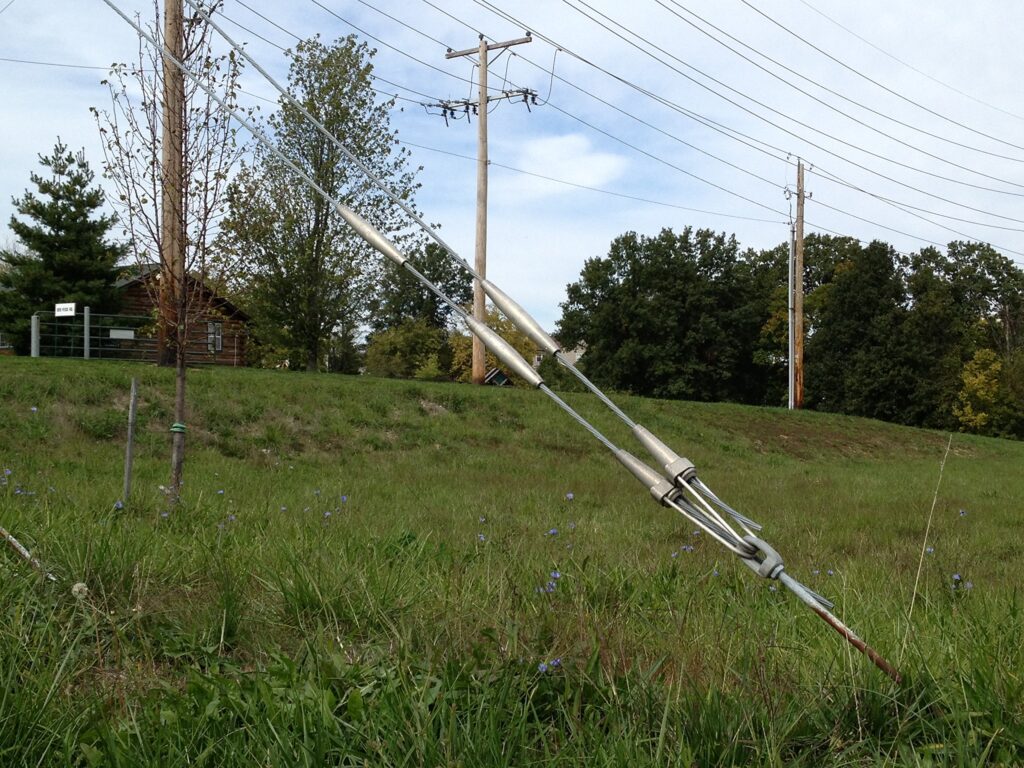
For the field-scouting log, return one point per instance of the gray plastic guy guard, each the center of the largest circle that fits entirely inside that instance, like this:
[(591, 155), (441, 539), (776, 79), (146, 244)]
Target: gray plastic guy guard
[(676, 467), (764, 561), (655, 483), (504, 351)]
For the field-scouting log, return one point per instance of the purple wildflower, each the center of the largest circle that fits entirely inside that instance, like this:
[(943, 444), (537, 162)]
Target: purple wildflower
[(929, 550), (556, 663), (34, 409), (220, 492), (963, 513), (231, 518), (556, 575), (480, 537), (956, 577), (542, 667), (552, 532), (327, 514), (570, 496), (344, 499), (830, 572), (118, 504)]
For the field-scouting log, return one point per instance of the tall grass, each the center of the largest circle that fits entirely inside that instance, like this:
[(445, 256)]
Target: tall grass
[(369, 572)]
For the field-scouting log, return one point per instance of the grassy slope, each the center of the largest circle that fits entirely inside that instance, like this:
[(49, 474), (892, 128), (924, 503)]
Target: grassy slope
[(387, 631)]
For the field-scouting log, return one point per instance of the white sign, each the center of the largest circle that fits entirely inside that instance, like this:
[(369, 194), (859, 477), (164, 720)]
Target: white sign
[(122, 333), (64, 310)]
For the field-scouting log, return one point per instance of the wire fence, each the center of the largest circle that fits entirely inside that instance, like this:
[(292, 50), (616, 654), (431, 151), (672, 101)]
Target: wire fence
[(94, 336)]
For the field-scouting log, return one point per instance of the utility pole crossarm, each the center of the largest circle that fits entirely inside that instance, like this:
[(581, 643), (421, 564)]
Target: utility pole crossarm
[(490, 47)]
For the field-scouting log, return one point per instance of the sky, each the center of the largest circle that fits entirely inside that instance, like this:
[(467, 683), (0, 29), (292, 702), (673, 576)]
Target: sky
[(908, 115)]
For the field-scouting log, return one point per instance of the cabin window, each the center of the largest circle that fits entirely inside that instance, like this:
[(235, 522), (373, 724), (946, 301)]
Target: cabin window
[(215, 337)]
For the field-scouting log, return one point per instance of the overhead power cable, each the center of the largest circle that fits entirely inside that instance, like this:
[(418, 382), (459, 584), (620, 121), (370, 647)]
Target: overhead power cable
[(840, 95), (726, 130), (376, 39), (910, 66), (758, 102), (683, 492), (589, 188), (871, 80)]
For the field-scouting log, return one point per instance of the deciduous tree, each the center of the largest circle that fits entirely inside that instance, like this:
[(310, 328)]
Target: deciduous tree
[(308, 274)]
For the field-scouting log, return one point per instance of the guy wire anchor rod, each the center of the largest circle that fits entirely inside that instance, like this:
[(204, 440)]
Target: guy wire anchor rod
[(757, 554)]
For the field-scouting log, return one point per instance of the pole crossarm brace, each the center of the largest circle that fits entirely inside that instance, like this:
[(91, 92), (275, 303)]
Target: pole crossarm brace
[(674, 485)]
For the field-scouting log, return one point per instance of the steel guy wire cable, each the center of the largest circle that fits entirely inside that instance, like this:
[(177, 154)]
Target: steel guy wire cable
[(755, 553)]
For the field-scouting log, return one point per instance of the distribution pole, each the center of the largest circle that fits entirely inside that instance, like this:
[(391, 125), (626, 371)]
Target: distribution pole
[(798, 291), (172, 242), (480, 261), (790, 316)]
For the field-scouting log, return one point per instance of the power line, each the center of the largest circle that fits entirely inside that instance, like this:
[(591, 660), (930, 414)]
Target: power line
[(609, 192), (911, 67), (884, 87), (757, 101), (840, 95), (52, 63), (628, 144), (363, 32), (9, 4), (725, 129)]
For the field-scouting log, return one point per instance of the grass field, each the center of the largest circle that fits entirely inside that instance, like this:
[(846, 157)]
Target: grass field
[(368, 572)]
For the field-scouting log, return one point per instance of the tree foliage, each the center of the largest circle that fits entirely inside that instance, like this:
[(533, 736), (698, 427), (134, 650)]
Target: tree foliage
[(65, 253), (675, 315), (935, 339), (306, 274)]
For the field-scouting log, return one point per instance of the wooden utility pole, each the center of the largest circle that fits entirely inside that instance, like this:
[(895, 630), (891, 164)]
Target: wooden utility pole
[(480, 262), (173, 297), (798, 292), (172, 240)]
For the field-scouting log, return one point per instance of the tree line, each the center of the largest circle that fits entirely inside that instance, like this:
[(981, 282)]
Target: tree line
[(932, 339)]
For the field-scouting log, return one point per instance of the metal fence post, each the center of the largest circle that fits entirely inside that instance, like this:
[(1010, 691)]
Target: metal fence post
[(35, 335), (85, 344), (129, 450)]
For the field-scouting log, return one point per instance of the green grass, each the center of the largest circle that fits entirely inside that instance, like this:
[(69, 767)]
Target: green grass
[(251, 627)]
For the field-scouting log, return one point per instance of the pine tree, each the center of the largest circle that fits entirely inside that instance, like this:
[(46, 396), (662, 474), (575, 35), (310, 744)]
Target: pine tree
[(64, 254)]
